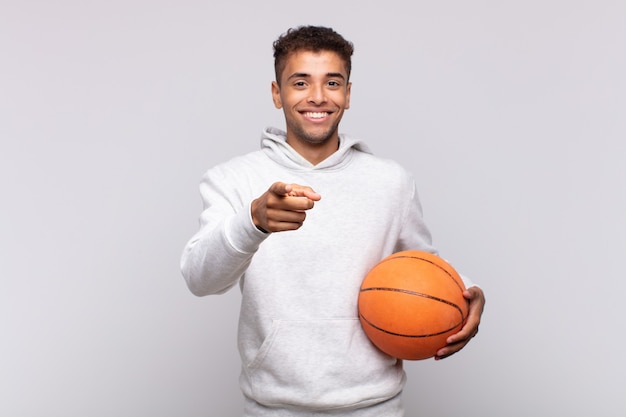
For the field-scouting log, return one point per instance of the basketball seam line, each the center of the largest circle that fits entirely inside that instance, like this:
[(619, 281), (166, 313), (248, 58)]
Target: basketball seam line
[(425, 260), (407, 335), (419, 294)]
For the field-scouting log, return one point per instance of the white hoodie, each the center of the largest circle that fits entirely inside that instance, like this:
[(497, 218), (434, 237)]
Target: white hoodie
[(300, 340)]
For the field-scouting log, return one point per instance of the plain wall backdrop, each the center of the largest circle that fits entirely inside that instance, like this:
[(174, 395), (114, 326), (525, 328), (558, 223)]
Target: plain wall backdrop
[(511, 114)]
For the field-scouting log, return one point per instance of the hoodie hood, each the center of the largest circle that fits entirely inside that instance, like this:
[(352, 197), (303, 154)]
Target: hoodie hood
[(274, 145)]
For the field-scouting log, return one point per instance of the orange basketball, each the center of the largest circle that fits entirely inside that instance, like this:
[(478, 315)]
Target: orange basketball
[(410, 303)]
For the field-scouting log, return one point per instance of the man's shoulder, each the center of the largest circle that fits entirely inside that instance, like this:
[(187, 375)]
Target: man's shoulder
[(241, 160), (383, 165)]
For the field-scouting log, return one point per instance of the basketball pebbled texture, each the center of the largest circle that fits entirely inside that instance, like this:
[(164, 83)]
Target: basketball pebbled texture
[(410, 303)]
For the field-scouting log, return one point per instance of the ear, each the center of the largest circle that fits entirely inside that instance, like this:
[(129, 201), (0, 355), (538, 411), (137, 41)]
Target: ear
[(348, 88), (278, 103)]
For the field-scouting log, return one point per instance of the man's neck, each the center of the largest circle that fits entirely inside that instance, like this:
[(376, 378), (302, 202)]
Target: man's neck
[(315, 153)]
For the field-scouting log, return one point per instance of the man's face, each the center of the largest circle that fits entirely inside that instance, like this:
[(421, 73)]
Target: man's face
[(314, 92)]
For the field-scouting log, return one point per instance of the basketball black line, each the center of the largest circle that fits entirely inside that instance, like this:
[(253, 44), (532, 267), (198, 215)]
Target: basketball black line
[(425, 260), (417, 336), (418, 294), (451, 304)]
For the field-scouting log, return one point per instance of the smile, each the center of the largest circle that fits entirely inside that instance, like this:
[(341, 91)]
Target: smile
[(316, 115)]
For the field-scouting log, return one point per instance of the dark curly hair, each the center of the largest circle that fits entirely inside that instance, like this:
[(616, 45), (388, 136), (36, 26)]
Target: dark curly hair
[(310, 38)]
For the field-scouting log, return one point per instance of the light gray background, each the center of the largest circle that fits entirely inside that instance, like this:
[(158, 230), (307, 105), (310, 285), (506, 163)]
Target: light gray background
[(510, 114)]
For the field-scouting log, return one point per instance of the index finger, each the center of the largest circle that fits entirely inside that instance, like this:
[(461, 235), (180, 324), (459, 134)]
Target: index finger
[(303, 191), (294, 190)]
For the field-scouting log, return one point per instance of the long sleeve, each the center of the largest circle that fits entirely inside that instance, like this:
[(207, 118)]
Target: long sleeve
[(415, 234), (219, 253)]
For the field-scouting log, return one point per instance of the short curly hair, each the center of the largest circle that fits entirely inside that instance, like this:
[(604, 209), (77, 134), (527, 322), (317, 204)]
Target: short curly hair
[(310, 38)]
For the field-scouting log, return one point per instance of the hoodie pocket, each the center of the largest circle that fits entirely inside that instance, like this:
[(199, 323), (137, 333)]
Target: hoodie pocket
[(322, 364)]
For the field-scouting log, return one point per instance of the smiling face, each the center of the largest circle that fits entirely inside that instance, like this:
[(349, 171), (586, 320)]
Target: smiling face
[(313, 92)]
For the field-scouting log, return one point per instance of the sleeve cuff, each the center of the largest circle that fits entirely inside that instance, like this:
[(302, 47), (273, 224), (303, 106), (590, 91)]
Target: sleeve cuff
[(241, 232)]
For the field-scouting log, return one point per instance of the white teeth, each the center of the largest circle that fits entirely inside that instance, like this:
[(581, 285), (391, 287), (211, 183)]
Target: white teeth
[(316, 115)]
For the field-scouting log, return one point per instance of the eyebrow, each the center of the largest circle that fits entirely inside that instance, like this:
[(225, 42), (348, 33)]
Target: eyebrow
[(305, 75)]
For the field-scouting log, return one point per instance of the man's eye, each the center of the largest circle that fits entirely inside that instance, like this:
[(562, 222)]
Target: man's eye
[(299, 84), (333, 84)]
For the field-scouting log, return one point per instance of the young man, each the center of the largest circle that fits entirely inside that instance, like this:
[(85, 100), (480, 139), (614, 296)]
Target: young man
[(298, 224)]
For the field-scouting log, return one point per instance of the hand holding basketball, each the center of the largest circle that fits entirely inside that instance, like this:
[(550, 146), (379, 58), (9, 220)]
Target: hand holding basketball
[(458, 340)]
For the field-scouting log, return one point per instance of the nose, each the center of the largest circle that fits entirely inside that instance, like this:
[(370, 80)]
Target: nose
[(317, 95)]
